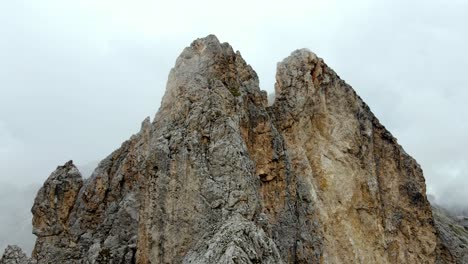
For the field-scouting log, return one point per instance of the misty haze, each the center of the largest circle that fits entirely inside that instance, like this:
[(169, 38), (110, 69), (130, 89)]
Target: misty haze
[(78, 78)]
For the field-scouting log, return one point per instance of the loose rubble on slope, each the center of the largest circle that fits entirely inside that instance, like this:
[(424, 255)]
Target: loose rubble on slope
[(222, 176)]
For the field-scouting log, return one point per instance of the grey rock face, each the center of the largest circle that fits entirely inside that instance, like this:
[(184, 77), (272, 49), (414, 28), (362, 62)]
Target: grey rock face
[(236, 241), (316, 170), (453, 235), (202, 175), (94, 221), (15, 255), (220, 176)]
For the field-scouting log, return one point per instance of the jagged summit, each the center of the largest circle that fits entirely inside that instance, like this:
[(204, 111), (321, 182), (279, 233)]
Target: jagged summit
[(221, 177), (55, 200), (15, 255), (205, 65)]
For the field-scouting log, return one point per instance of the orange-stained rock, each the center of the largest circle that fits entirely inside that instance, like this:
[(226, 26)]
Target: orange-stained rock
[(220, 176)]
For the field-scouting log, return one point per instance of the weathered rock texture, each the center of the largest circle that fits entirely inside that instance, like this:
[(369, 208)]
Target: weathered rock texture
[(91, 221), (368, 194), (221, 177), (15, 255), (453, 234)]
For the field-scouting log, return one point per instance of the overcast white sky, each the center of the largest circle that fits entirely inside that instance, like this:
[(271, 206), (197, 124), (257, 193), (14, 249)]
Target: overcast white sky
[(78, 77)]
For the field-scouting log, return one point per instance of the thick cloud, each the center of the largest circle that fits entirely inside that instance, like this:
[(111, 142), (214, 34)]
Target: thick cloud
[(77, 77)]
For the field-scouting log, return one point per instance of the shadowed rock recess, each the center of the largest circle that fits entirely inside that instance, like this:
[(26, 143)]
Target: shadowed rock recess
[(221, 177)]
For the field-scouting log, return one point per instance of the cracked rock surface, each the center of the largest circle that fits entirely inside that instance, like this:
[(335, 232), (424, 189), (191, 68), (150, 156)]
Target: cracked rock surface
[(221, 176), (453, 235), (15, 255), (93, 220)]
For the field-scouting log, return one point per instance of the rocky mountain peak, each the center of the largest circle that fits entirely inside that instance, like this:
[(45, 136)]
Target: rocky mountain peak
[(55, 200), (221, 177), (301, 65), (205, 65)]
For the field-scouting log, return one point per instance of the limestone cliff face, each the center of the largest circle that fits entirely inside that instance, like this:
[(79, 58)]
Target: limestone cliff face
[(202, 176), (453, 235), (93, 220), (221, 177), (368, 194)]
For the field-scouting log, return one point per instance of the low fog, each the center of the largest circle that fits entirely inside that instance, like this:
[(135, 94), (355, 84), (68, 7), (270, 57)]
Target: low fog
[(78, 77)]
